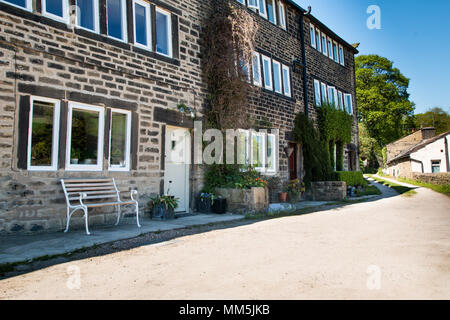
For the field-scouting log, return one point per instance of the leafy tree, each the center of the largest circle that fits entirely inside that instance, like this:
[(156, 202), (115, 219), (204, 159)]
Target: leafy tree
[(383, 99), (370, 149), (434, 117)]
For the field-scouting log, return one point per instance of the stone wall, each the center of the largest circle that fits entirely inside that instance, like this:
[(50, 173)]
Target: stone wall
[(329, 190), (245, 201), (433, 178)]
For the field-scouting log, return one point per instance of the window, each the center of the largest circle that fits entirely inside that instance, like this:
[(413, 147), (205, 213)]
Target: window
[(163, 32), (142, 29), (318, 46), (317, 92), (119, 140), (340, 100), (330, 49), (116, 19), (243, 156), (271, 153), (276, 76), (436, 166), (43, 134), (324, 45), (312, 34), (331, 95), (341, 55), (85, 138), (267, 69), (56, 9), (282, 15), (252, 4), (286, 81), (241, 2), (25, 4), (262, 8), (335, 52), (245, 67), (87, 14), (348, 103), (271, 11), (256, 66), (323, 92), (258, 151)]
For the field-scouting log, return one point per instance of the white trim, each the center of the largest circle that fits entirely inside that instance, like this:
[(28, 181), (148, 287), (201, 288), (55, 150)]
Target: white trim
[(28, 5), (286, 68), (148, 27), (262, 2), (169, 31), (127, 142), (312, 35), (331, 95), (323, 38), (253, 4), (55, 134), (269, 63), (258, 67), (274, 154), (318, 44), (348, 108), (262, 150), (330, 46), (318, 100), (335, 45), (277, 65), (340, 100), (96, 17), (341, 55), (245, 133), (274, 9), (282, 15), (101, 126), (123, 22), (323, 92), (65, 11)]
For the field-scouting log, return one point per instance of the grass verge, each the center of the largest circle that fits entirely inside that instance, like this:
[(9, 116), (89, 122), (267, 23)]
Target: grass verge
[(441, 188), (404, 191)]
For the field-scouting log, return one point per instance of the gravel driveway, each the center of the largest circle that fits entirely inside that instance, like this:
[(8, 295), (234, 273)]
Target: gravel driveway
[(394, 248)]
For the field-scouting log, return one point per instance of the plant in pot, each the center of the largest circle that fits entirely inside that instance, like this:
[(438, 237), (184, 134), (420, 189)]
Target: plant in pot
[(274, 184), (163, 207), (205, 201), (75, 155), (220, 205), (282, 195), (295, 190)]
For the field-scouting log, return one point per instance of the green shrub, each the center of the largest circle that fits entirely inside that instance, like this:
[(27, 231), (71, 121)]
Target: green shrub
[(352, 178)]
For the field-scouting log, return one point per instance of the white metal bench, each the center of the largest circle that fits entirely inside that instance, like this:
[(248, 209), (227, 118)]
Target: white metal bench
[(89, 193)]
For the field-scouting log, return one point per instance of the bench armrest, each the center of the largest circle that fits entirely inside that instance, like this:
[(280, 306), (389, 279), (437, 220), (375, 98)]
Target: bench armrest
[(134, 194), (82, 196)]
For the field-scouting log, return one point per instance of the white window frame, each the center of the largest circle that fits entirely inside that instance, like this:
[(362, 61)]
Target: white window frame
[(263, 150), (340, 100), (276, 64), (96, 18), (331, 95), (253, 4), (288, 85), (241, 2), (258, 59), (265, 58), (274, 8), (55, 136), (346, 95), (65, 11), (28, 5), (148, 26), (323, 38), (323, 93), (282, 15), (341, 55), (128, 142), (274, 154), (124, 22), (317, 86), (262, 2), (312, 35), (335, 45), (245, 133), (101, 129), (318, 44), (330, 46), (169, 31)]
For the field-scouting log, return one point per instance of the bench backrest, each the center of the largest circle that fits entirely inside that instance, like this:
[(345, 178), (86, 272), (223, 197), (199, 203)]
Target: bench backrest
[(95, 189)]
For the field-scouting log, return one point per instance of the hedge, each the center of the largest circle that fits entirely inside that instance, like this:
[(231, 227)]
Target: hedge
[(352, 178)]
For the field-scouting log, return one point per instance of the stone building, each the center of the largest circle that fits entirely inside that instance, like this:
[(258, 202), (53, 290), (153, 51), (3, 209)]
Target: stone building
[(91, 88)]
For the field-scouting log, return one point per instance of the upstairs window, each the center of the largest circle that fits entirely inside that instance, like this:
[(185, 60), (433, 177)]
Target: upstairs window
[(341, 55), (324, 45), (116, 19), (282, 15), (318, 42), (331, 95), (25, 4), (312, 35), (87, 14), (330, 48), (317, 92), (276, 76), (256, 66), (348, 103), (163, 32), (286, 81), (142, 29), (335, 52), (43, 134), (262, 8), (271, 11), (119, 140), (340, 100), (241, 2), (267, 69), (252, 4), (56, 9)]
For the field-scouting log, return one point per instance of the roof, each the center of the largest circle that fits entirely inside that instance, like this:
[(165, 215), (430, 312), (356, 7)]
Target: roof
[(419, 146)]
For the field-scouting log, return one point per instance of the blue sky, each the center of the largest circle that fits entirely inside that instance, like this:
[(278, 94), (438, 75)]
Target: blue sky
[(414, 35)]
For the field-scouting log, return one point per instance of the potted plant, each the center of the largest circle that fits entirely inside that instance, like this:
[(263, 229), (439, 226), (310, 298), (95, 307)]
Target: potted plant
[(220, 205), (163, 207), (74, 156), (274, 184), (205, 201), (295, 190), (282, 195)]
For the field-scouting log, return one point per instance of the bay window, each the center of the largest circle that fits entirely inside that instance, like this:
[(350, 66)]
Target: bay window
[(256, 67), (258, 151), (243, 154), (267, 71), (24, 4), (286, 81), (116, 19), (142, 29), (271, 153), (87, 14), (43, 134), (163, 32), (85, 129), (56, 9), (119, 140), (276, 76)]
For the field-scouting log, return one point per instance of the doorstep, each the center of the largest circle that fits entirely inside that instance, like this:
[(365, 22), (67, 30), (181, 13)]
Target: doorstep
[(17, 248)]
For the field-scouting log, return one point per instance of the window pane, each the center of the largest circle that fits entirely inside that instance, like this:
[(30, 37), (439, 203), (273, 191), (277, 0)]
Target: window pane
[(84, 138), (257, 151), (267, 74), (42, 134), (140, 24), (262, 7), (270, 153), (256, 70), (115, 24), (312, 36), (85, 17), (162, 33), (286, 82), (317, 92), (55, 7), (271, 11), (242, 154), (277, 77), (20, 3), (318, 40), (118, 139)]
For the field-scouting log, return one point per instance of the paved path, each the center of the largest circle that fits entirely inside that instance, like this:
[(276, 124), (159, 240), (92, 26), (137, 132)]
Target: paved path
[(392, 248)]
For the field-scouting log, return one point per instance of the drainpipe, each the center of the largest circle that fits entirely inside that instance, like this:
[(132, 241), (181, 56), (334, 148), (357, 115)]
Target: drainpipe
[(305, 77)]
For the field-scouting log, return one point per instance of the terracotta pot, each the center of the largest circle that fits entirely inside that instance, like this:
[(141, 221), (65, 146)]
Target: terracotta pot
[(282, 196)]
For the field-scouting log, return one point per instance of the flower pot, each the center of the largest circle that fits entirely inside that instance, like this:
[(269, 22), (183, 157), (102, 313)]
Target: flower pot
[(282, 196), (219, 206), (204, 205), (160, 211)]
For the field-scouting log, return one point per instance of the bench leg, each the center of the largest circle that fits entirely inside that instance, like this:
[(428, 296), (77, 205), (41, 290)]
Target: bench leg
[(68, 220), (118, 215), (137, 215), (86, 219)]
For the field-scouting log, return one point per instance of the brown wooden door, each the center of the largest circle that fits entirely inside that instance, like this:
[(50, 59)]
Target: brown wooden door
[(293, 162)]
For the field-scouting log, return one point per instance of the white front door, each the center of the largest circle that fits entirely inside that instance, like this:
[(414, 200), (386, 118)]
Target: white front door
[(177, 163)]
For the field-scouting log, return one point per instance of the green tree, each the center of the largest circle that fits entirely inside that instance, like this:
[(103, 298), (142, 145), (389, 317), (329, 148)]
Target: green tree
[(434, 117), (370, 149), (383, 99)]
